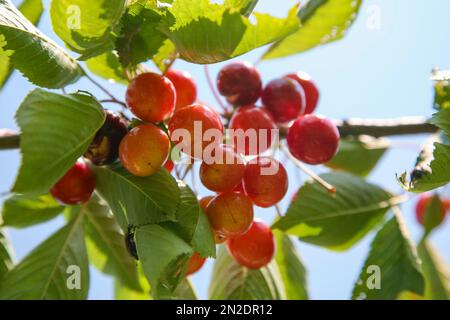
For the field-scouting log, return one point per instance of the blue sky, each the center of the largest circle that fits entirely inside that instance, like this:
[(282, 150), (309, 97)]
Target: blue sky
[(372, 73)]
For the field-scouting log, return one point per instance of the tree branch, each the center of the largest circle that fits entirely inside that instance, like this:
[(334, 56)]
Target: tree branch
[(351, 127)]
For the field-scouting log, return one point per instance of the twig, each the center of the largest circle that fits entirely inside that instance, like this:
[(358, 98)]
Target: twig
[(213, 90), (9, 139), (330, 188)]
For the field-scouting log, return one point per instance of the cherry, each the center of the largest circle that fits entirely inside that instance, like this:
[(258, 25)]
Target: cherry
[(240, 83), (196, 120), (310, 89), (104, 149), (169, 165), (265, 181), (251, 120), (313, 139), (284, 99), (224, 171), (185, 87), (76, 186), (144, 150), (204, 202), (230, 214), (421, 208), (195, 263), (255, 248), (151, 97)]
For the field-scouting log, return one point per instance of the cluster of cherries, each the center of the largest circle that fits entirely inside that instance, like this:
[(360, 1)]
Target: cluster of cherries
[(167, 103)]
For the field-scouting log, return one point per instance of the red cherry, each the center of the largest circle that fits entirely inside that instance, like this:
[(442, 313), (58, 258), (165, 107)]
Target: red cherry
[(230, 214), (255, 248), (144, 150), (265, 181), (310, 89), (223, 171), (239, 188), (189, 118), (240, 83), (421, 207), (185, 87), (313, 139), (169, 165), (151, 97), (195, 263), (256, 124), (204, 202), (76, 186), (284, 98)]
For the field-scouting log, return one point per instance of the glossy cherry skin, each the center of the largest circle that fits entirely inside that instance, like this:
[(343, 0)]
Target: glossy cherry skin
[(285, 99), (195, 263), (224, 171), (310, 89), (151, 97), (256, 124), (76, 186), (169, 165), (185, 87), (255, 248), (230, 214), (240, 83), (421, 207), (187, 118), (265, 181), (144, 150), (104, 149), (204, 202), (313, 139)]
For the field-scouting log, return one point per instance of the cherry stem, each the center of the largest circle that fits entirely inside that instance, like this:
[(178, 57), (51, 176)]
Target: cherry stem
[(106, 91), (278, 211), (122, 104), (330, 188), (213, 89)]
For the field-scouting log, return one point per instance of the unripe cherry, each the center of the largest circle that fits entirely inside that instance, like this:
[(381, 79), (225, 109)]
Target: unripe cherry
[(194, 121), (195, 263), (185, 87), (284, 98), (223, 171), (151, 97), (255, 248), (240, 83), (104, 148), (257, 128), (313, 139), (144, 150), (310, 89), (422, 204), (76, 186), (265, 181), (230, 214)]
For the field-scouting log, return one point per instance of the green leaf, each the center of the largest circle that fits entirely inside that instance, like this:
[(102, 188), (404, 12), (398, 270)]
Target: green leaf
[(323, 21), (192, 224), (123, 292), (32, 10), (49, 269), (6, 261), (137, 200), (209, 33), (291, 268), (50, 66), (52, 138), (86, 26), (442, 120), (430, 175), (231, 281), (165, 54), (139, 39), (358, 155), (435, 271), (184, 291), (393, 262), (22, 211), (441, 88), (162, 254), (244, 6), (335, 221), (106, 244), (107, 66)]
